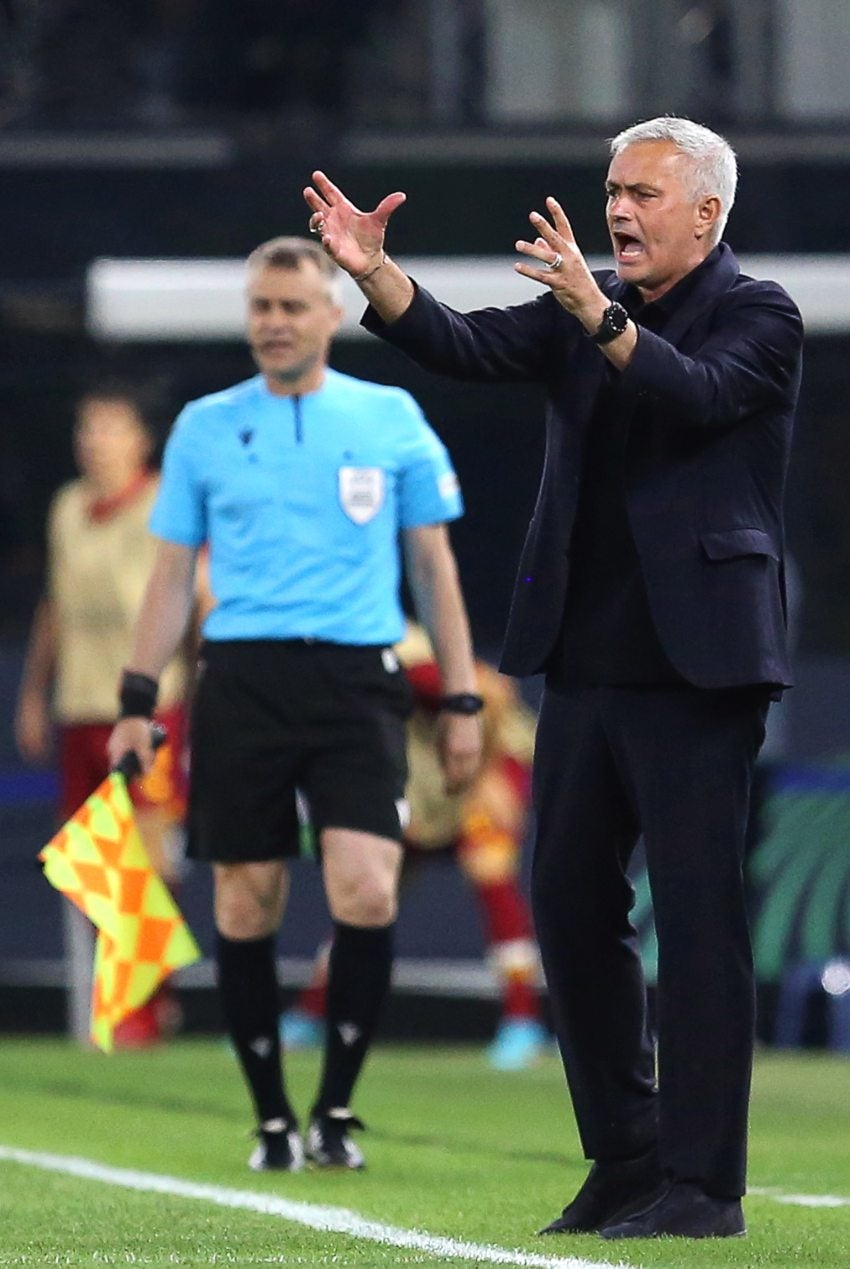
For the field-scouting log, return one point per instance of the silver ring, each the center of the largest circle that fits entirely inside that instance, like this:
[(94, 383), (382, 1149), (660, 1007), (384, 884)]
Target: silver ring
[(552, 265), (318, 227)]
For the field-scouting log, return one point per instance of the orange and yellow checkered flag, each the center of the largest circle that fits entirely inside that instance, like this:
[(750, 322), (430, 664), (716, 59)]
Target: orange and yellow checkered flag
[(98, 861)]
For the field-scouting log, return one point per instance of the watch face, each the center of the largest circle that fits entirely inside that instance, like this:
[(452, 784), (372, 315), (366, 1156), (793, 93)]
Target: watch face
[(615, 319)]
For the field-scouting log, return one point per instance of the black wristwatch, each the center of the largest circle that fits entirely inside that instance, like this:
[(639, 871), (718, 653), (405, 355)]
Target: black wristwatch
[(615, 319)]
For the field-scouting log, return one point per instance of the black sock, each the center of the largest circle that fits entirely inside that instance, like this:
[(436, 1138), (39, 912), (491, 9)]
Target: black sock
[(248, 987), (358, 980)]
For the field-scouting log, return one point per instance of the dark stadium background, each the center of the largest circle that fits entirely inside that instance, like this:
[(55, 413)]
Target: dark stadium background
[(183, 131)]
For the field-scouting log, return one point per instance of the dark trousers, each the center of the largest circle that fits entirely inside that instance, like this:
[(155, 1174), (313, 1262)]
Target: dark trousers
[(676, 765)]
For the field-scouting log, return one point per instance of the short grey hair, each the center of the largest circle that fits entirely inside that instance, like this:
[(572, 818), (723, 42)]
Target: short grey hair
[(713, 167), (291, 253)]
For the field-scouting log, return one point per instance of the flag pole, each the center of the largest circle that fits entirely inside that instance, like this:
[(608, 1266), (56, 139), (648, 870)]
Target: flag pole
[(78, 937)]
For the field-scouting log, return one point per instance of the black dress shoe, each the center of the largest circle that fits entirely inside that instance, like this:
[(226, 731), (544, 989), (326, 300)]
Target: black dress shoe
[(612, 1190), (683, 1211)]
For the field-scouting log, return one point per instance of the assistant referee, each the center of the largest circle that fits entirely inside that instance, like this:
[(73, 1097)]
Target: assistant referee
[(303, 482)]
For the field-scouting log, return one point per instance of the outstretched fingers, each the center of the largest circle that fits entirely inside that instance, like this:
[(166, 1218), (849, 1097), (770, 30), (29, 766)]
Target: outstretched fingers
[(323, 196), (331, 193), (548, 233), (559, 231), (559, 219), (314, 201), (531, 248)]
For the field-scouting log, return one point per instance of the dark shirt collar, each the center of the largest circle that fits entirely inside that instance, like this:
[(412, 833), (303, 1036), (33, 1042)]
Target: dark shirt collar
[(656, 312)]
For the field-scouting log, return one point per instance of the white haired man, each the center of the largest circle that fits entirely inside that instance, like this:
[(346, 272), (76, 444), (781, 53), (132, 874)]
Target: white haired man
[(651, 594)]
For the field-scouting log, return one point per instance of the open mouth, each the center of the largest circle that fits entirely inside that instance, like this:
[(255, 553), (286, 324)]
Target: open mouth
[(627, 246)]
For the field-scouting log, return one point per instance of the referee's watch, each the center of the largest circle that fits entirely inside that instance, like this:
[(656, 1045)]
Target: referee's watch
[(615, 319)]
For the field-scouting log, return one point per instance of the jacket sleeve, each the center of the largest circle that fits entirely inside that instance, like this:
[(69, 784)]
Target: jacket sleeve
[(750, 360), (493, 344)]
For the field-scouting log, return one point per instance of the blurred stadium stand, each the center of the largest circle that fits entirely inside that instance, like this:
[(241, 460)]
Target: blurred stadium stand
[(185, 129)]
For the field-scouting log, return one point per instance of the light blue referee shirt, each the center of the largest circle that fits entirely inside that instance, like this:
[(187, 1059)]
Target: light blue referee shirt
[(301, 500)]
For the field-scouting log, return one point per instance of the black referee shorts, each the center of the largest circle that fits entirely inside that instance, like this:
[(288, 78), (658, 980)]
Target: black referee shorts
[(274, 716)]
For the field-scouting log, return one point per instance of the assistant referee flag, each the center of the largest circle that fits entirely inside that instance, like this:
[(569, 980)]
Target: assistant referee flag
[(99, 862)]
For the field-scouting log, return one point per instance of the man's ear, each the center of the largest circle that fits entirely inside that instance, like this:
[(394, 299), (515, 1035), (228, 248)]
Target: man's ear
[(708, 214)]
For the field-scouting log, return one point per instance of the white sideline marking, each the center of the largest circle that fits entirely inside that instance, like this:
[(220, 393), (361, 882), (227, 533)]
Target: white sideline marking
[(337, 1220), (802, 1200)]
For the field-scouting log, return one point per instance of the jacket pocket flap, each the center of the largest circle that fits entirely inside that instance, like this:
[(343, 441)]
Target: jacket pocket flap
[(731, 543)]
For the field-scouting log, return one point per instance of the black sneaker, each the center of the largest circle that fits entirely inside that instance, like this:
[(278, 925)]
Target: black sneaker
[(278, 1149), (684, 1211), (328, 1144), (610, 1191)]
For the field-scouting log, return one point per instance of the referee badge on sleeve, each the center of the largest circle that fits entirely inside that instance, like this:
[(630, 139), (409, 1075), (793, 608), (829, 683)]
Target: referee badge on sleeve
[(361, 492), (448, 485)]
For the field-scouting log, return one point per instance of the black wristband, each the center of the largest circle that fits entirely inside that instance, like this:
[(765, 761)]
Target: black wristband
[(461, 703), (137, 695)]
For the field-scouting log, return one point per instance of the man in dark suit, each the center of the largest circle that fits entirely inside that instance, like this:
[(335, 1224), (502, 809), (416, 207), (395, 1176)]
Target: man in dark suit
[(651, 593)]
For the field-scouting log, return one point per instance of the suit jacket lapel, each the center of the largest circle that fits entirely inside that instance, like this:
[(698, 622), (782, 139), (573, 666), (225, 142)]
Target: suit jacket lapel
[(713, 282)]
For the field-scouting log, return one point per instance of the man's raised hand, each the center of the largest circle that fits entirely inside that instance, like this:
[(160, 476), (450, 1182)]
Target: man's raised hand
[(556, 260), (353, 238)]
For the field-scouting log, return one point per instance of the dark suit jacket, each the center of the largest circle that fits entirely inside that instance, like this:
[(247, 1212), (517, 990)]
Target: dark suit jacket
[(704, 485)]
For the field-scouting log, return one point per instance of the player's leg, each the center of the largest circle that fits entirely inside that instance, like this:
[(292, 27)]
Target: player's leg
[(242, 819), (354, 784), (249, 903), (488, 854), (361, 874), (302, 1025)]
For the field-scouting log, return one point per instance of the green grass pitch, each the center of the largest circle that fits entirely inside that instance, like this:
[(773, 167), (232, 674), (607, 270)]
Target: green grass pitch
[(454, 1150)]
